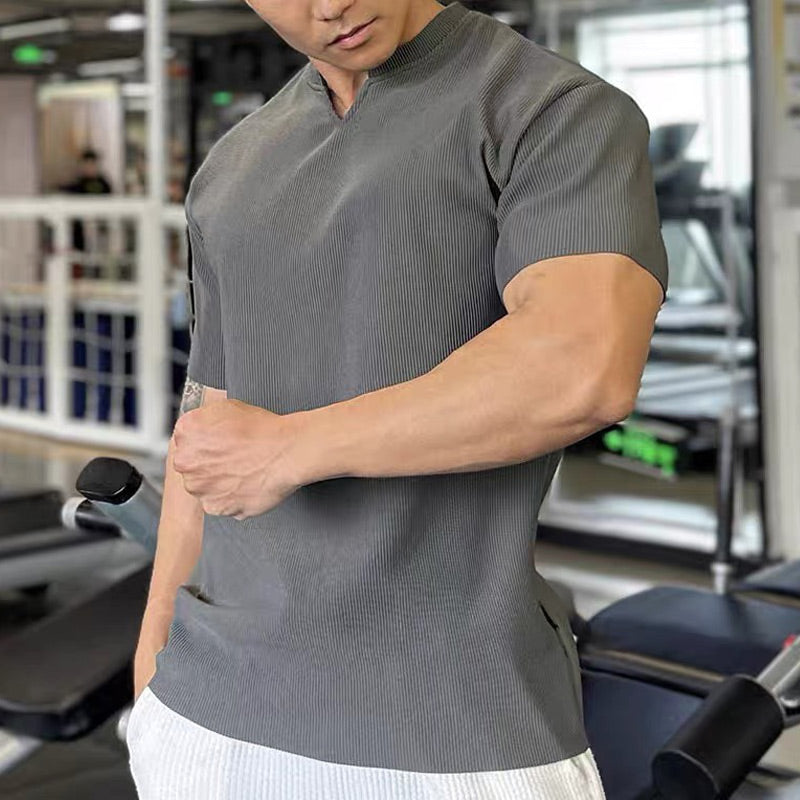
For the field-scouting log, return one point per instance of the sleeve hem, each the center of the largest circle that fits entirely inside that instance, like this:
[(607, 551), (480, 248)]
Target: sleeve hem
[(505, 278), (211, 380)]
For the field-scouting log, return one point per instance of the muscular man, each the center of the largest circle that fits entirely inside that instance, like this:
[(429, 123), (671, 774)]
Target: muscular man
[(422, 269)]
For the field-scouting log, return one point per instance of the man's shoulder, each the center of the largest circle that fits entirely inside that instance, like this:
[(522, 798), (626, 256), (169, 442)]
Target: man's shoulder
[(517, 76), (271, 113), (513, 82), (239, 147), (253, 131)]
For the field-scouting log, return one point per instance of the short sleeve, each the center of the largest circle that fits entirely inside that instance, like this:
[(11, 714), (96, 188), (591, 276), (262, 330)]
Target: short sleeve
[(581, 182), (206, 355)]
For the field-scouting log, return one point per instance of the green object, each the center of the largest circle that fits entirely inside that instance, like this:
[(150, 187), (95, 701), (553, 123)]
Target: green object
[(28, 54), (222, 98), (639, 445)]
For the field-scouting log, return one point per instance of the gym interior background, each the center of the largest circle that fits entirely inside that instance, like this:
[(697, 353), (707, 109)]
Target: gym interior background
[(699, 487)]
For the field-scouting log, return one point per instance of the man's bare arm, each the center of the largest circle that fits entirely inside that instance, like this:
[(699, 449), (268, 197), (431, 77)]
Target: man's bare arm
[(567, 360), (180, 528), (180, 535)]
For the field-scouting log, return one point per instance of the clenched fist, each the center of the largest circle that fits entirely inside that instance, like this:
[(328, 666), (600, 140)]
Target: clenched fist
[(235, 458)]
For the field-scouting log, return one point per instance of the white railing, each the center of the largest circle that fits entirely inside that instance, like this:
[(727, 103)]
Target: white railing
[(145, 296)]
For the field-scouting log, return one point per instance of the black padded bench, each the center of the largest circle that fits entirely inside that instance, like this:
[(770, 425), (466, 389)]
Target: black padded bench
[(687, 638), (66, 674), (781, 579)]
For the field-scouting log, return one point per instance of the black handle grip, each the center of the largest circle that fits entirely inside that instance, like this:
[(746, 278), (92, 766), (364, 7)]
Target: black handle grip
[(109, 480)]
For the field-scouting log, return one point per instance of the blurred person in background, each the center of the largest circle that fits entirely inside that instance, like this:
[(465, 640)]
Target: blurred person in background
[(88, 180)]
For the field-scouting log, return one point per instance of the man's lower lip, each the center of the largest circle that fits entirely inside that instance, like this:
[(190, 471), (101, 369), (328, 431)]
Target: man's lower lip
[(357, 38)]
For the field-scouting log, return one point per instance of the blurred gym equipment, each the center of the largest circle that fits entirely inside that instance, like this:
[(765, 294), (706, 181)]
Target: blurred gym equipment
[(38, 546), (51, 691)]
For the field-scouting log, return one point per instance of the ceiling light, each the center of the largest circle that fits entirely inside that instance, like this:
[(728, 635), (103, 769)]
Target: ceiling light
[(511, 17), (135, 90), (116, 66), (125, 21), (39, 27)]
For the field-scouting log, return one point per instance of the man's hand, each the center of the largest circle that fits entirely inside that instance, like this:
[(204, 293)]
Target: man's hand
[(235, 458)]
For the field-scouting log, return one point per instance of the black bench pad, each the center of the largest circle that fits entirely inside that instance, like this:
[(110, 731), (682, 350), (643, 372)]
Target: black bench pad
[(66, 674)]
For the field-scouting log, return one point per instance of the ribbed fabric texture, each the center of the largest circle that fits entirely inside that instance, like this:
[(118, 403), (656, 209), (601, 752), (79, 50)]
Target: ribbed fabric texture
[(395, 623), (172, 758)]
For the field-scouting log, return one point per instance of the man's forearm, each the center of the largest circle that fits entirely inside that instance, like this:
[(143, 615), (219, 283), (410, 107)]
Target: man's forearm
[(497, 400), (180, 535), (180, 528)]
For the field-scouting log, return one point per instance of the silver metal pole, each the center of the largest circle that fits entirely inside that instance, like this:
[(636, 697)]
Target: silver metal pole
[(778, 277), (152, 365), (532, 21), (58, 301), (782, 674), (155, 42), (553, 26)]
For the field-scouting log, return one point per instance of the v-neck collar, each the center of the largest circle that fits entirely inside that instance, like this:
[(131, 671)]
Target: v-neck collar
[(406, 54)]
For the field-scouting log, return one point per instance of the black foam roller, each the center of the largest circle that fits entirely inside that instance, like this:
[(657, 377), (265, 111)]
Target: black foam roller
[(716, 748)]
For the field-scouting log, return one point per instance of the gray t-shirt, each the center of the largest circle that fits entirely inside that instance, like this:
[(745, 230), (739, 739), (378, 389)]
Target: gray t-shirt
[(395, 622)]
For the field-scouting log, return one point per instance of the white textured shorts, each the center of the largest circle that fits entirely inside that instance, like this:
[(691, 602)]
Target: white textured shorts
[(173, 758)]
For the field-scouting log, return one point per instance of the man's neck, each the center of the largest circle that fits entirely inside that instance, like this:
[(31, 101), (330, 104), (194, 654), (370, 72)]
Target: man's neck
[(344, 84)]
